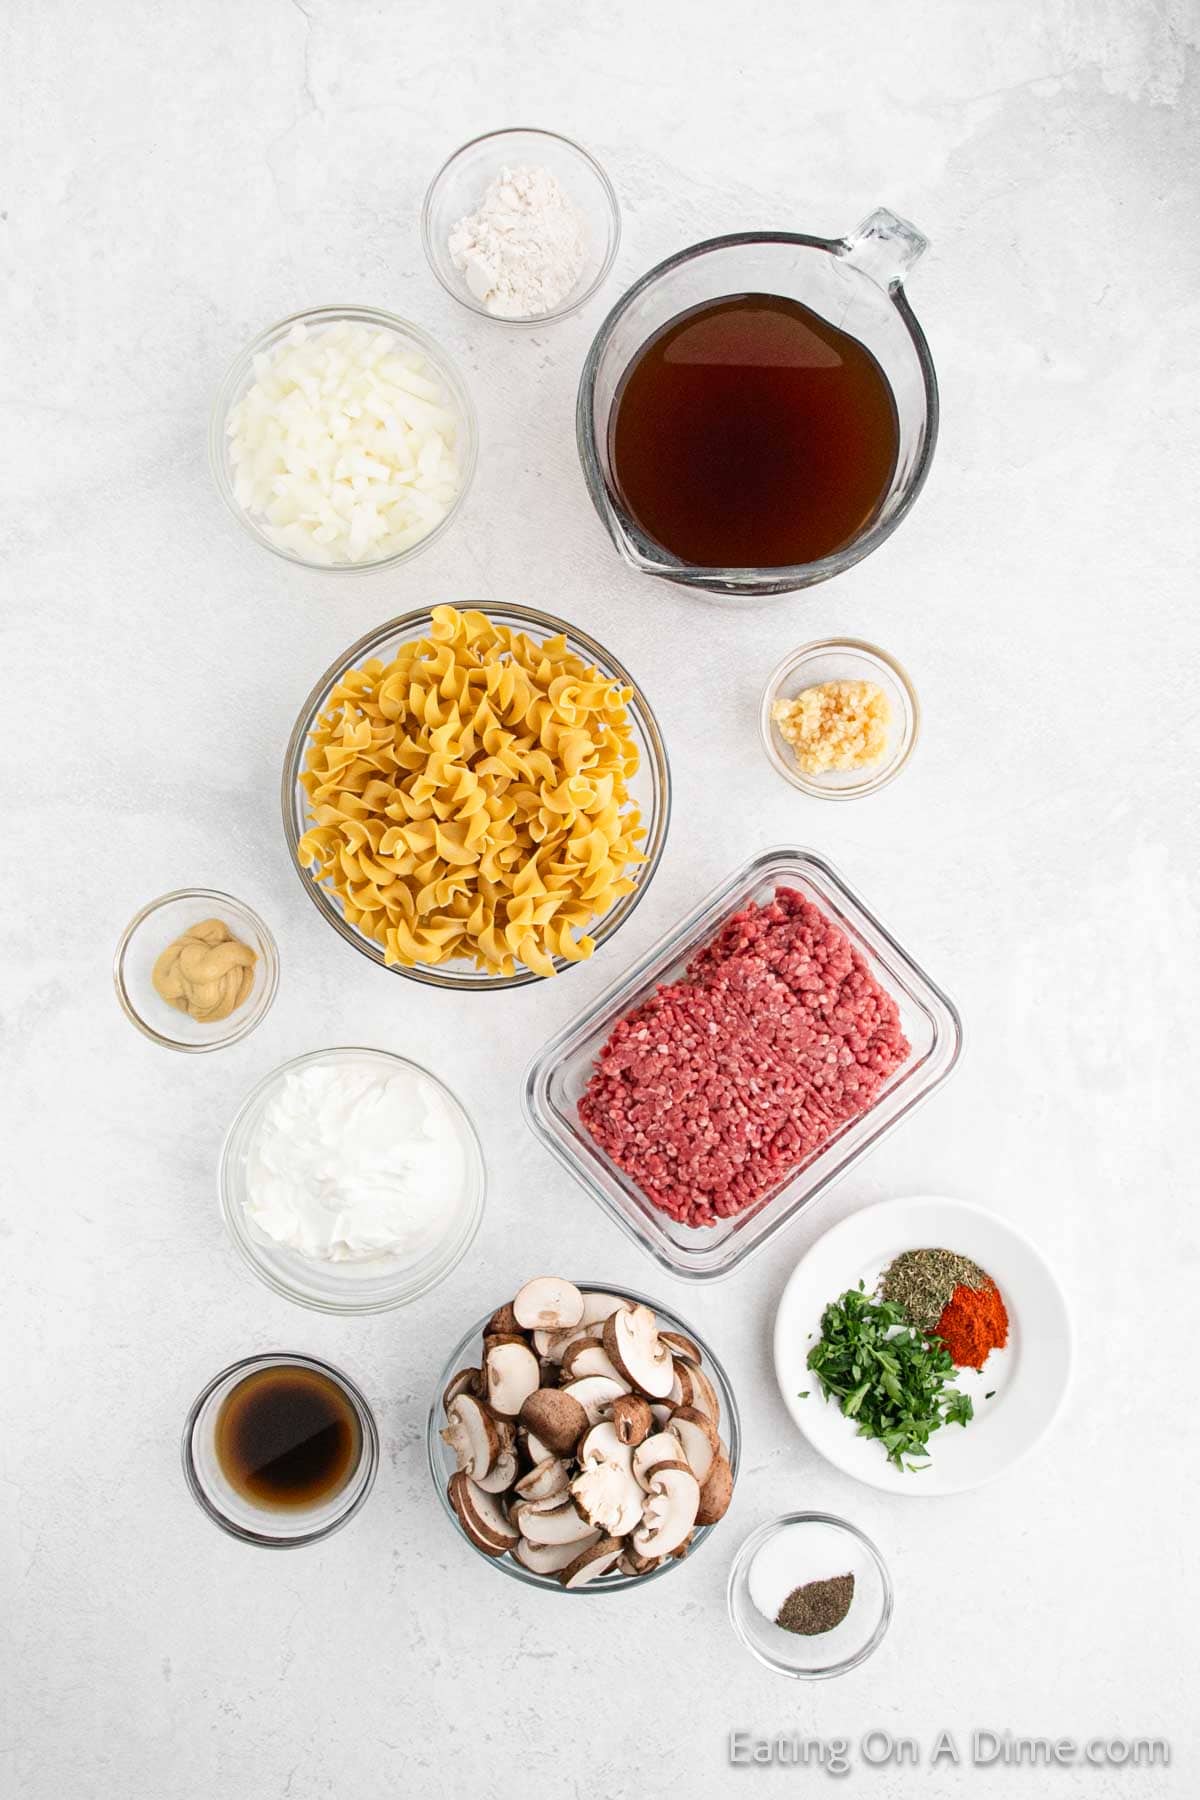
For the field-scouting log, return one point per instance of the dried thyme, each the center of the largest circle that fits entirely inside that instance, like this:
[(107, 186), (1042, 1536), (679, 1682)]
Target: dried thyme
[(923, 1282)]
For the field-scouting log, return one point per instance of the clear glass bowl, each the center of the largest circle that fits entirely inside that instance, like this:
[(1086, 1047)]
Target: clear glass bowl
[(273, 1528), (832, 1652), (466, 1354), (459, 186), (842, 659), (346, 1288), (855, 282), (650, 788), (150, 932), (559, 1074), (240, 375)]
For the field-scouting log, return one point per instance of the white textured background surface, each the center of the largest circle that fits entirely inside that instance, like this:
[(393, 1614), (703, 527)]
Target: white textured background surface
[(173, 177)]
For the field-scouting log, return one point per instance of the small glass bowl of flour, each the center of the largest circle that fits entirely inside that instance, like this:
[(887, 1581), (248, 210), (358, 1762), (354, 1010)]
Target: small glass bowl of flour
[(521, 226), (351, 1180)]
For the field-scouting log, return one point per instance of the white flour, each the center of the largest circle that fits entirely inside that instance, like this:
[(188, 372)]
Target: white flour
[(524, 248)]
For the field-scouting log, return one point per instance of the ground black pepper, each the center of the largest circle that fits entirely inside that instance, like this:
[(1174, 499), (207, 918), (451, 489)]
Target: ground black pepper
[(817, 1606)]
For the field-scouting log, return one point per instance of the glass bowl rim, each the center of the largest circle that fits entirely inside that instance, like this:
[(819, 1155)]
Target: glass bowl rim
[(570, 304), (657, 822), (730, 1430), (740, 1564), (872, 781), (233, 380), (243, 1243), (786, 579), (246, 1025), (370, 1448)]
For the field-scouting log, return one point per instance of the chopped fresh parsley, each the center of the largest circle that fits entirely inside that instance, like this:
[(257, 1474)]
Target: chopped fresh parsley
[(888, 1376)]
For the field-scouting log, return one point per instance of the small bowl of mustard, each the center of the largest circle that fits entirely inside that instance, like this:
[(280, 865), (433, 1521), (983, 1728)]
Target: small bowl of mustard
[(839, 718), (196, 970)]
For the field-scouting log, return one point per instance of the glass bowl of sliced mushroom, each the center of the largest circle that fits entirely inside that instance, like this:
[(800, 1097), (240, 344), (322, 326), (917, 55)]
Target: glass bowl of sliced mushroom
[(583, 1438)]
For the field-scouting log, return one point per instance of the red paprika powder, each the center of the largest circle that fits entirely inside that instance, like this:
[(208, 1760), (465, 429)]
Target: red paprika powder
[(974, 1322)]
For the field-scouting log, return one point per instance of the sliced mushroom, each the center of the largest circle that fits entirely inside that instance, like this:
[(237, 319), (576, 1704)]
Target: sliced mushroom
[(467, 1381), (632, 1341), (503, 1322), (633, 1419), (595, 1561), (695, 1389), (481, 1516), (548, 1303), (670, 1512), (510, 1370), (682, 1388), (661, 1414), (532, 1447), (662, 1451), (492, 1338), (598, 1307), (715, 1492), (595, 1393), (548, 1559), (633, 1564), (472, 1434), (679, 1345), (544, 1503), (557, 1419), (561, 1525), (698, 1437), (548, 1477), (584, 1356), (605, 1490), (552, 1346), (501, 1478), (681, 1550)]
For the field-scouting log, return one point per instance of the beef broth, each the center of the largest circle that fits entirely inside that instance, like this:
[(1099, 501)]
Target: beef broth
[(749, 432)]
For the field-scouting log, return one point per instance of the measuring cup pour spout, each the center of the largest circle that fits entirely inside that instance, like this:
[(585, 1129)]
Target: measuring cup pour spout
[(885, 247)]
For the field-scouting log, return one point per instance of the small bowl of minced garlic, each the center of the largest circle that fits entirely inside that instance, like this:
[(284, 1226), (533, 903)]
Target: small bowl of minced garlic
[(839, 718), (196, 970)]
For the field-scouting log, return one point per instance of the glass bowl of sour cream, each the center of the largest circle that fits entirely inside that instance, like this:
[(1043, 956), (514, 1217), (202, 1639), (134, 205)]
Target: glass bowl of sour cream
[(351, 1180)]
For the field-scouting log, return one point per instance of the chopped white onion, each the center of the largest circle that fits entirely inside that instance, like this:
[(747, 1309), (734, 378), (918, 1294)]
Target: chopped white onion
[(345, 446)]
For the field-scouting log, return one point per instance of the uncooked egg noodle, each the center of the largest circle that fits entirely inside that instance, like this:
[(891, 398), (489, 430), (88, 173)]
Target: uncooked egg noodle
[(470, 798)]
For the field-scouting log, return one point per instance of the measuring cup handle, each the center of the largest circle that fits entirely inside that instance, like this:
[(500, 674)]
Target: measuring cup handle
[(884, 247)]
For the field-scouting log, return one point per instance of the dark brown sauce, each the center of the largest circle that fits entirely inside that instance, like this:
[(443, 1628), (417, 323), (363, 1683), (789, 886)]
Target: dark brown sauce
[(751, 433), (287, 1437)]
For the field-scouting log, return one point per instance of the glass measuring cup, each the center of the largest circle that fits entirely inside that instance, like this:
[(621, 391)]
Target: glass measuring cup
[(856, 283)]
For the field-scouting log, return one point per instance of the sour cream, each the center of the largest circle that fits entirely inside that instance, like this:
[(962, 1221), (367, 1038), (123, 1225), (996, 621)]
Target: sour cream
[(354, 1160)]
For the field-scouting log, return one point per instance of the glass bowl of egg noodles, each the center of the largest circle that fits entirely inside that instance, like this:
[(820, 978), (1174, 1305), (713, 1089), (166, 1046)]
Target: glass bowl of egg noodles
[(343, 438), (372, 794)]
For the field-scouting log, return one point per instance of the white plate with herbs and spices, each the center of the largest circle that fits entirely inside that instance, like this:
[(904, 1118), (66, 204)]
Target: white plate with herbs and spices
[(923, 1345)]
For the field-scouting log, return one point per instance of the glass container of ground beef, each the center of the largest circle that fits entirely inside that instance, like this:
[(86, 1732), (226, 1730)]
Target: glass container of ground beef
[(743, 1065)]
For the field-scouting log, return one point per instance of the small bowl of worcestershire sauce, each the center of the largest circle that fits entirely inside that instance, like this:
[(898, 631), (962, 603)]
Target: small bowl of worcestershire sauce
[(759, 412), (280, 1450)]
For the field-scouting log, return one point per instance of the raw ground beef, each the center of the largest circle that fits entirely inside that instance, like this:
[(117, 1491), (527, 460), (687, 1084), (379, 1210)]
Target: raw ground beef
[(725, 1081)]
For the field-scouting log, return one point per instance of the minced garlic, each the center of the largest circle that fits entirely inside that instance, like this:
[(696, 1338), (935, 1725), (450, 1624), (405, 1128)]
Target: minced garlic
[(838, 725)]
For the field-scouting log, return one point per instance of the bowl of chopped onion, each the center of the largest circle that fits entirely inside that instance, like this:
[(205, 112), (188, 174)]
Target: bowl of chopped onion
[(343, 438)]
